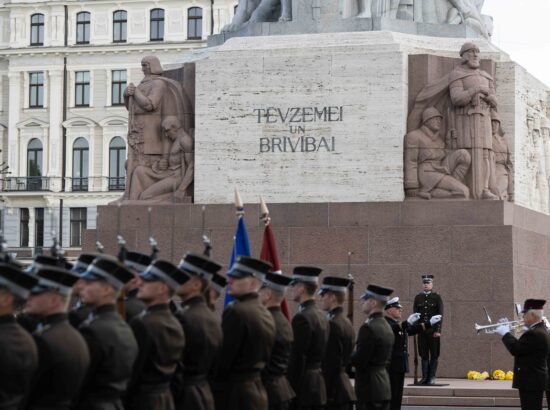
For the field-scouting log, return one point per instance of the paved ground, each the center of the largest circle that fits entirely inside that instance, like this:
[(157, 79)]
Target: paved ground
[(455, 408)]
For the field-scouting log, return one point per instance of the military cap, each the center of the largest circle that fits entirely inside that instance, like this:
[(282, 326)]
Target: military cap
[(536, 304), (427, 278), (308, 274), (245, 266), (218, 282), (276, 281), (45, 260), (377, 292), (137, 261), (393, 303), (164, 271), (108, 269), (467, 47), (52, 279), (16, 281), (430, 113), (83, 261), (334, 284), (195, 264)]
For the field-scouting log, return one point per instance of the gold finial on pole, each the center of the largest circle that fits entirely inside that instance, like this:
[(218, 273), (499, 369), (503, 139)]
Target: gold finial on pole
[(264, 212), (239, 207)]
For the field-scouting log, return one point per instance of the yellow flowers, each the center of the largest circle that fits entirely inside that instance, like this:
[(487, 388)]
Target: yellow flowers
[(497, 375)]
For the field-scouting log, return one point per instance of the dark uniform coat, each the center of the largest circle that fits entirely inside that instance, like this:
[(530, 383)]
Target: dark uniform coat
[(371, 358), (133, 306), (530, 352), (161, 341), (248, 338), (18, 363), (279, 392), (113, 351), (202, 349), (63, 361), (428, 304), (79, 314), (311, 332), (340, 392)]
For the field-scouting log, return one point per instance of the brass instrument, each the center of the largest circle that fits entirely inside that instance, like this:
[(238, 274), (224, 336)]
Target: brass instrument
[(515, 325)]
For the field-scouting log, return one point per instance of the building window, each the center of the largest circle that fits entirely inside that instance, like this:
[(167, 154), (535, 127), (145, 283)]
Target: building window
[(83, 28), (38, 227), (24, 227), (34, 165), (120, 20), (78, 224), (36, 90), (157, 25), (80, 165), (118, 86), (37, 30), (117, 158), (82, 89), (194, 23)]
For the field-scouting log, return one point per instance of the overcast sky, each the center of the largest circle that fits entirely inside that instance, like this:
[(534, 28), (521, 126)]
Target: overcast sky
[(522, 29)]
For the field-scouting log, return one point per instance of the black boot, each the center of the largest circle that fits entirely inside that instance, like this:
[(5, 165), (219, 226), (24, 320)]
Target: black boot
[(425, 371), (433, 370)]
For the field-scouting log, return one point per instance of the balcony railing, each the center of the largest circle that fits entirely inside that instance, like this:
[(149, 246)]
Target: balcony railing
[(79, 184), (117, 183), (25, 184)]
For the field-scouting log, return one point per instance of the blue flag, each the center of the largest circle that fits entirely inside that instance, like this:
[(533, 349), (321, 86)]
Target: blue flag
[(241, 247)]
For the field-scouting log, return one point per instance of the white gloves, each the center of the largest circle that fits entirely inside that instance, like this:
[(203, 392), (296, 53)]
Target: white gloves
[(412, 319), (502, 329), (435, 319)]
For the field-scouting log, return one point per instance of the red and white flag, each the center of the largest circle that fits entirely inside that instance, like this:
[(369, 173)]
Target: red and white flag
[(270, 254)]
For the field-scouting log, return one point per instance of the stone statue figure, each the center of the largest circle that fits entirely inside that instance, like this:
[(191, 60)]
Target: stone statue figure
[(259, 11), (503, 166), (545, 129), (378, 8), (171, 176), (149, 104), (539, 167), (469, 12), (432, 170)]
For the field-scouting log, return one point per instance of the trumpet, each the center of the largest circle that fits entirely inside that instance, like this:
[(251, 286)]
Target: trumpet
[(515, 325)]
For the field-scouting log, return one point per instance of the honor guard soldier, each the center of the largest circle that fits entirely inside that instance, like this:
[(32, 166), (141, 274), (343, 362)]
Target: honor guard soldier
[(160, 339), (79, 311), (63, 357), (203, 331), (113, 347), (429, 304), (248, 338), (372, 353), (217, 285), (137, 262), (530, 352), (18, 353), (400, 356), (279, 391), (311, 331), (340, 393)]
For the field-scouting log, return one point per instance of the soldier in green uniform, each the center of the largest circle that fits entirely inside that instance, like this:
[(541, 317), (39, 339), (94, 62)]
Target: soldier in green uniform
[(279, 391), (340, 393), (111, 342), (203, 331), (372, 353), (311, 331), (18, 353), (160, 339), (79, 311), (428, 304), (62, 351), (248, 339)]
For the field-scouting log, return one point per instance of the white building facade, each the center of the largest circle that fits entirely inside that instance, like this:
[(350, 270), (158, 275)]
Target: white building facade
[(63, 70)]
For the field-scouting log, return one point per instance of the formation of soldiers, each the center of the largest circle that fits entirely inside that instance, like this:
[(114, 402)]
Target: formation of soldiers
[(135, 332)]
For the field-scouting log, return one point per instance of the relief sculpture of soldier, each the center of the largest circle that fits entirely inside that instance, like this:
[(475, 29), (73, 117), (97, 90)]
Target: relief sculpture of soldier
[(503, 172), (150, 104)]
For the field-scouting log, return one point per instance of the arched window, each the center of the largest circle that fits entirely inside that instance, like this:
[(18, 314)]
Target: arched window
[(117, 159), (120, 20), (194, 23), (83, 28), (80, 164), (37, 29), (157, 25), (34, 165)]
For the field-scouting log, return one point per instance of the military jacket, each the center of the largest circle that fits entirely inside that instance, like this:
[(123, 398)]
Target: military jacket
[(133, 306), (400, 353), (371, 358), (337, 358), (113, 351), (62, 365), (79, 314), (428, 304), (18, 363)]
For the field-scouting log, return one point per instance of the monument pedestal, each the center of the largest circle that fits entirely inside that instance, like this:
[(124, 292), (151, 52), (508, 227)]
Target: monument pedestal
[(482, 253)]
